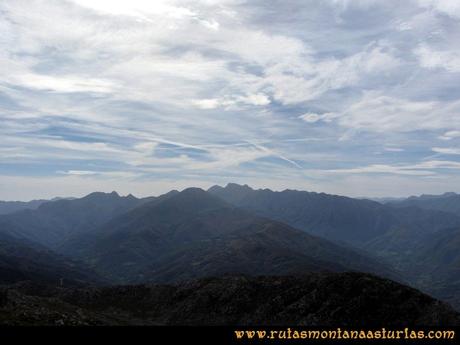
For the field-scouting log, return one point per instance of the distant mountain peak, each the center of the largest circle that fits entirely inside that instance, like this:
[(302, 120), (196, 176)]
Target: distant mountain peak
[(232, 185), (102, 195), (215, 188), (174, 204), (192, 192), (62, 198), (131, 197), (192, 195), (433, 196)]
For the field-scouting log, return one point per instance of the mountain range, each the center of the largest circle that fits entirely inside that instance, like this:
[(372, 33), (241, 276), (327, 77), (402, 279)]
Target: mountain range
[(106, 239), (194, 234)]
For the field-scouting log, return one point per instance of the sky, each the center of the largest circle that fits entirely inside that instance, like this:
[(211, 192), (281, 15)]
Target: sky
[(358, 98)]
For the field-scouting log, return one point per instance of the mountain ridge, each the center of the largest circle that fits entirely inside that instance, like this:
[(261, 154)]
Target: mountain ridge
[(338, 218)]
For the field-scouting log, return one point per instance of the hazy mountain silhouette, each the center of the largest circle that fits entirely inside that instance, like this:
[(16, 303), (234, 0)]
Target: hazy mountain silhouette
[(447, 202), (321, 299), (7, 207), (338, 218), (195, 234), (53, 222)]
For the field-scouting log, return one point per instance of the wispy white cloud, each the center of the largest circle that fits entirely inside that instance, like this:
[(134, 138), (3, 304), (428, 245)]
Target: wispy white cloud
[(429, 58), (100, 174), (384, 169), (78, 172), (313, 117), (449, 135), (378, 112), (65, 84), (447, 150), (448, 7), (419, 169), (393, 149), (233, 101), (137, 8)]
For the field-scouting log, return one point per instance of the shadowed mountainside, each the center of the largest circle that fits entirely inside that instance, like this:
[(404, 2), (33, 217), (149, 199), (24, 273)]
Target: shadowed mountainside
[(435, 265), (21, 261), (345, 299)]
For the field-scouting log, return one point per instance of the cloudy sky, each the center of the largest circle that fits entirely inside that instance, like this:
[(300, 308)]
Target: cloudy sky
[(358, 97)]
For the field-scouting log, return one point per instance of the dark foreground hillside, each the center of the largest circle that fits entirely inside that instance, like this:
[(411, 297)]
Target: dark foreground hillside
[(311, 300)]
